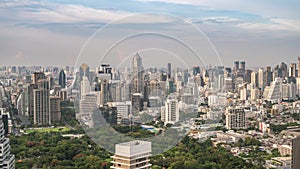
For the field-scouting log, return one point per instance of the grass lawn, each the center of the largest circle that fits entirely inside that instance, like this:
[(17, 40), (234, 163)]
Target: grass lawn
[(46, 129)]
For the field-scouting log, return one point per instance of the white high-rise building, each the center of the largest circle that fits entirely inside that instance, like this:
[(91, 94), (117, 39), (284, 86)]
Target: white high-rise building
[(7, 160), (85, 87), (171, 111), (261, 81), (87, 106), (289, 91), (132, 155), (123, 110)]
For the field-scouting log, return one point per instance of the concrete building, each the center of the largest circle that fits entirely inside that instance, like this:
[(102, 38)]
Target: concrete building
[(7, 160), (171, 111), (85, 87), (235, 118), (87, 106), (274, 93), (138, 74), (55, 113), (132, 155), (41, 103), (285, 150), (137, 103)]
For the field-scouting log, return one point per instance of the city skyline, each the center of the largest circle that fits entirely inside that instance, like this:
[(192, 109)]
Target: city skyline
[(42, 33)]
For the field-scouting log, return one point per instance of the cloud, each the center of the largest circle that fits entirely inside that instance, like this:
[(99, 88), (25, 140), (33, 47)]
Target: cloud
[(272, 24), (67, 13), (275, 8), (216, 20)]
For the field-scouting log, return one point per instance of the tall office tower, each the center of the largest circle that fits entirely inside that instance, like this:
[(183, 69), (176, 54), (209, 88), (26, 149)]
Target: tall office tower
[(62, 79), (221, 82), (37, 76), (85, 87), (254, 79), (227, 72), (132, 155), (51, 81), (285, 71), (261, 81), (236, 67), (171, 86), (247, 77), (296, 153), (146, 90), (292, 70), (84, 70), (298, 66), (29, 98), (186, 75), (196, 70), (242, 69), (235, 118), (277, 72), (137, 103), (243, 65), (171, 111), (138, 79), (104, 92), (55, 113), (268, 76), (169, 70), (87, 106), (7, 160), (115, 90), (289, 91), (41, 103)]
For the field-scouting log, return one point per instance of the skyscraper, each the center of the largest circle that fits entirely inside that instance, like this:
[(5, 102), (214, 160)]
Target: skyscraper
[(104, 92), (62, 79), (298, 66), (169, 70), (41, 103), (292, 70), (85, 87), (55, 113), (37, 76), (7, 160), (138, 74), (171, 111), (254, 79), (243, 65), (236, 67), (137, 103), (261, 81)]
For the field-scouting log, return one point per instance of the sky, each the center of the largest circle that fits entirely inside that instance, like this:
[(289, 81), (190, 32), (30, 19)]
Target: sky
[(186, 32)]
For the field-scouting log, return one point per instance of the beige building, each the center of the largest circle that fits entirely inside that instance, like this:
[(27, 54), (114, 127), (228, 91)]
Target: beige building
[(132, 155), (285, 150)]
